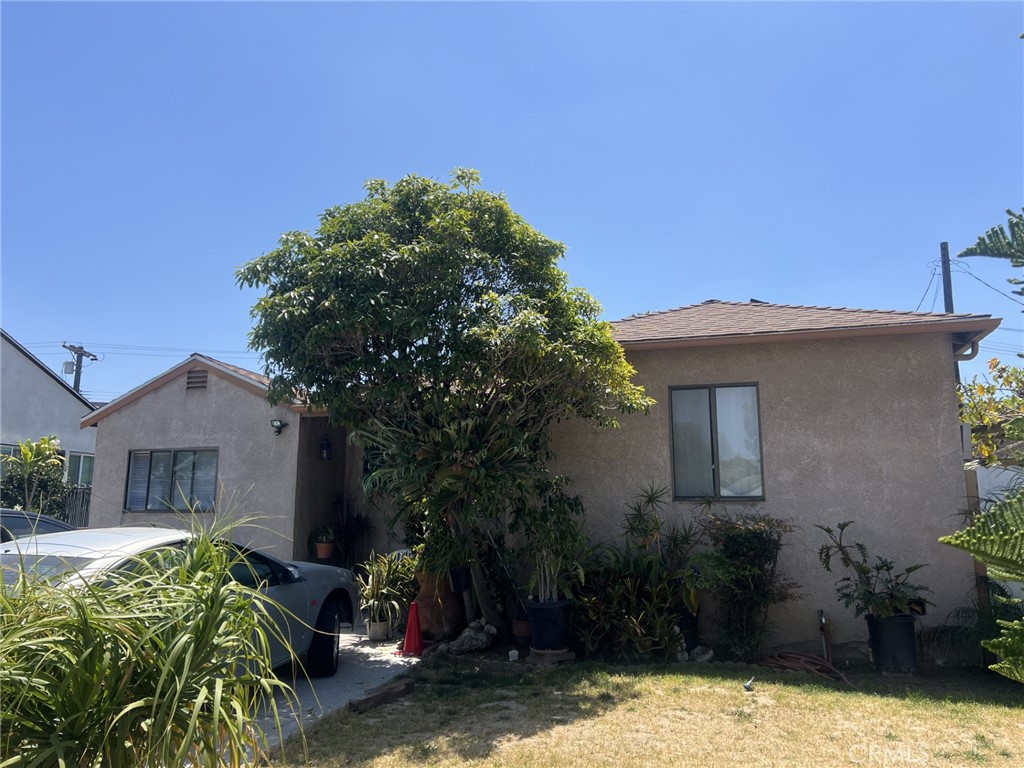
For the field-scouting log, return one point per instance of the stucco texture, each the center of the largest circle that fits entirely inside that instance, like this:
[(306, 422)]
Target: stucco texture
[(34, 405), (861, 429), (257, 471)]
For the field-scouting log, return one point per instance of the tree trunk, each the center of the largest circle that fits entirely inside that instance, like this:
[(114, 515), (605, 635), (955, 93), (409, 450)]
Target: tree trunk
[(488, 609)]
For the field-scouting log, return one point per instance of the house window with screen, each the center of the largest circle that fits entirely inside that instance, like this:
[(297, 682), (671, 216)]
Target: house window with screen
[(716, 442), (80, 468), (164, 481)]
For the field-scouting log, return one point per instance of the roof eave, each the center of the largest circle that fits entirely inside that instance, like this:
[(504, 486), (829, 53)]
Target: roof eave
[(974, 329)]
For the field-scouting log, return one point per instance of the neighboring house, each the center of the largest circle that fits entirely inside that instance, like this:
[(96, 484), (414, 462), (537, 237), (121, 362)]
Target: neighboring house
[(35, 402), (812, 414), (204, 435)]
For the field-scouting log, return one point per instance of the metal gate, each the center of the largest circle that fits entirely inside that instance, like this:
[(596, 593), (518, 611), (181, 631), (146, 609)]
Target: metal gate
[(76, 508)]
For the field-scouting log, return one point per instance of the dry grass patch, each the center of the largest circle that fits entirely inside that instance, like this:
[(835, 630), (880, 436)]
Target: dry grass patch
[(589, 715)]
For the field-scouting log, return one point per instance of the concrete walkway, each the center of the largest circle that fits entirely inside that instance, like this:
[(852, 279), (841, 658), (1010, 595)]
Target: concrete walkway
[(363, 665)]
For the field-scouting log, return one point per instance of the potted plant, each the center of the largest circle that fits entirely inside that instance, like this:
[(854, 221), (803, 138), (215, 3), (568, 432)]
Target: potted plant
[(381, 586), (554, 541), (324, 540), (885, 596)]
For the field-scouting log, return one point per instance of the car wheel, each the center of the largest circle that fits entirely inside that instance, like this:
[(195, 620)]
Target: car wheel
[(322, 659)]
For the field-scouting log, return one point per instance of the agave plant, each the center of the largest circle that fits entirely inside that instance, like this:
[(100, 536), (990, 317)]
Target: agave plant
[(165, 663)]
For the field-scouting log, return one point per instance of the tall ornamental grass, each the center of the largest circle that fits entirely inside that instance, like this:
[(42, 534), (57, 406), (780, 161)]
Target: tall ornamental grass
[(165, 663)]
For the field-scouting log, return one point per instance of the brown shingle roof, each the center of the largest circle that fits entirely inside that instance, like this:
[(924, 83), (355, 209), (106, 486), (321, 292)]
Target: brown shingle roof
[(721, 322), (250, 380), (259, 378)]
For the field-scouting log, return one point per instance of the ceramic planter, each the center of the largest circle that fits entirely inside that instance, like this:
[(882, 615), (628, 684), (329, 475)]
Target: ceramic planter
[(377, 630)]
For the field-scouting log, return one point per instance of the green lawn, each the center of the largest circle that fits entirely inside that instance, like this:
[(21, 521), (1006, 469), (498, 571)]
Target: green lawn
[(488, 712)]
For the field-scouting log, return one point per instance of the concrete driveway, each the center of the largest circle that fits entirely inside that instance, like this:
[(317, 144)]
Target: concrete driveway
[(363, 665)]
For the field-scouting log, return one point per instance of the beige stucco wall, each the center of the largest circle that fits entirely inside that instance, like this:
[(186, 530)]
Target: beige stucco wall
[(256, 469), (855, 429)]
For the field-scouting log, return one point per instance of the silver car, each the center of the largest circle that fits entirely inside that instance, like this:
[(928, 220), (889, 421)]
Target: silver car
[(313, 596)]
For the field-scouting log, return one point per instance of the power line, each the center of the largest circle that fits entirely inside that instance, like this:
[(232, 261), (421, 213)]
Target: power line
[(145, 348), (965, 270), (923, 295)]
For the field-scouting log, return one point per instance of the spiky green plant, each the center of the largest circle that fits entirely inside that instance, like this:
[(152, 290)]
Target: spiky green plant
[(996, 538), (163, 663)]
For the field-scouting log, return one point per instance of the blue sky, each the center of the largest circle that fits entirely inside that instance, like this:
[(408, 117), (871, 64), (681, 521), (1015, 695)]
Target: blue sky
[(802, 153)]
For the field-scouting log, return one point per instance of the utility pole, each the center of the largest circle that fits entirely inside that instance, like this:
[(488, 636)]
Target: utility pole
[(947, 294), (947, 279), (79, 352)]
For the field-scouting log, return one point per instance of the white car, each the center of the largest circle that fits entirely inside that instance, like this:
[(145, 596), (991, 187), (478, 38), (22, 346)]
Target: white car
[(313, 596)]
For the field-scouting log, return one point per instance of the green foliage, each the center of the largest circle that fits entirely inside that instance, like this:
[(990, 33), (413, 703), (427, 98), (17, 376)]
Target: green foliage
[(969, 626), (165, 664), (383, 583), (635, 594), (434, 322), (740, 569), (875, 588), (324, 535), (996, 538), (995, 410), (33, 478), (554, 541), (997, 244)]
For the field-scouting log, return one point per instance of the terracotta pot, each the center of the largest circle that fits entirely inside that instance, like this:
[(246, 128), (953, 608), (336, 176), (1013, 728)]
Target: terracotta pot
[(442, 614), (324, 550), (521, 631)]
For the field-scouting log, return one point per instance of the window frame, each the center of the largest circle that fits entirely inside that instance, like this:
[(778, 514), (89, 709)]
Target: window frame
[(711, 389), (81, 456), (165, 505)]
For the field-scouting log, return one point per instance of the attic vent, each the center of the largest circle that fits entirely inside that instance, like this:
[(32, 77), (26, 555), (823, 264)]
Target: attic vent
[(195, 379)]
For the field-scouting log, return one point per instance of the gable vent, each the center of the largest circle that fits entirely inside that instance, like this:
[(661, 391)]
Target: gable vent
[(195, 379)]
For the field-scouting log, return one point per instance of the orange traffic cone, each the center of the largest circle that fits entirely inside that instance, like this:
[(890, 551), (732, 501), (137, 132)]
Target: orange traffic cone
[(413, 645)]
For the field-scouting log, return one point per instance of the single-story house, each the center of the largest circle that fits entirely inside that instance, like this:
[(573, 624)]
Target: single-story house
[(203, 435), (812, 414), (35, 402)]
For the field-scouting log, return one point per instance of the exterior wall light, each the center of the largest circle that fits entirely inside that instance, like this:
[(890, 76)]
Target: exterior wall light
[(278, 425), (325, 450)]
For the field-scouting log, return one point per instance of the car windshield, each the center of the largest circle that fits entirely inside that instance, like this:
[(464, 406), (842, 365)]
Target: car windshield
[(48, 567)]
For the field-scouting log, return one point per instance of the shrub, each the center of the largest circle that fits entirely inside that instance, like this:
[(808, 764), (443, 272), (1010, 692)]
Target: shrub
[(33, 478), (635, 594), (741, 570)]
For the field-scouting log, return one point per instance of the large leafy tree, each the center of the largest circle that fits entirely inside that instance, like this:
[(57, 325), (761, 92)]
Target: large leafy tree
[(995, 410), (434, 321)]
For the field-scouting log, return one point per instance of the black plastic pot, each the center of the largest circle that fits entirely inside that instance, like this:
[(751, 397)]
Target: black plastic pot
[(461, 578), (550, 627), (688, 624), (893, 643)]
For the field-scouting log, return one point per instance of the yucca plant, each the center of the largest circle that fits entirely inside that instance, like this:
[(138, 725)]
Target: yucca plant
[(163, 663)]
